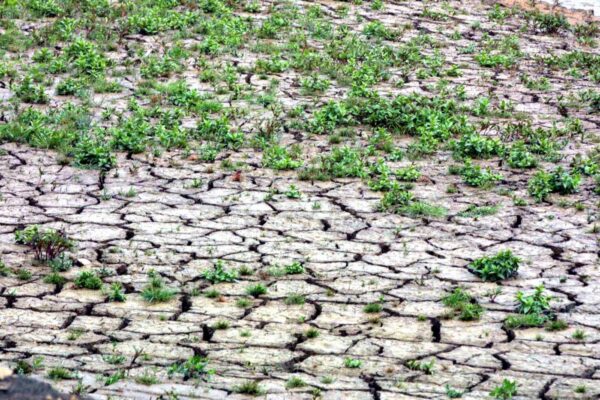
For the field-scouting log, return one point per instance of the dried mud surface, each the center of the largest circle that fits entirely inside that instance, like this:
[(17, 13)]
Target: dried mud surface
[(353, 254)]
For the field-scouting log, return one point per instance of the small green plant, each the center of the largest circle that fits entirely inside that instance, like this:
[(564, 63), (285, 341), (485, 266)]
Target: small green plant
[(61, 263), (60, 373), (400, 201), (426, 367), (520, 157), (245, 270), (114, 358), (539, 186), (352, 363), (498, 13), (453, 393), (342, 162), (295, 382), (243, 302), (294, 268), (88, 280), (279, 158), (23, 367), (548, 22), (69, 87), (377, 29), (474, 175), (536, 303), (579, 334), (147, 378), (473, 211), (501, 266), (4, 270), (525, 321), (156, 291), (256, 290), (372, 308), (580, 389), (94, 153), (534, 310), (55, 279), (410, 173), (115, 377), (47, 244), (29, 92), (75, 334), (418, 209), (218, 273), (245, 333), (23, 274), (314, 84), (194, 367), (116, 293), (311, 333), (478, 146), (395, 199), (251, 388), (556, 325), (295, 299), (564, 182), (559, 181), (506, 390), (293, 192), (154, 67), (463, 305)]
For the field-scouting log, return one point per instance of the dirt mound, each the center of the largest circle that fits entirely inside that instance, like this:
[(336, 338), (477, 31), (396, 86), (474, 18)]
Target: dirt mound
[(17, 387)]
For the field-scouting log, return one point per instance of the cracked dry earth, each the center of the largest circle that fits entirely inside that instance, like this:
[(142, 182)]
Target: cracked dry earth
[(176, 215), (352, 255)]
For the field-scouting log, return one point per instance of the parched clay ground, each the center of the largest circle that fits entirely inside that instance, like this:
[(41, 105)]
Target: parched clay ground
[(353, 254)]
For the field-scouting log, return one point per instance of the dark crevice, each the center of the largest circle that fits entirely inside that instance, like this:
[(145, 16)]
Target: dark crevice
[(436, 330), (186, 304), (510, 334), (207, 333), (374, 387), (544, 391), (505, 364), (517, 223)]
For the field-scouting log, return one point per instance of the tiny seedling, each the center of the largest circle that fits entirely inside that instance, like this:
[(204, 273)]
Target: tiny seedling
[(352, 363), (506, 390), (218, 273), (193, 367)]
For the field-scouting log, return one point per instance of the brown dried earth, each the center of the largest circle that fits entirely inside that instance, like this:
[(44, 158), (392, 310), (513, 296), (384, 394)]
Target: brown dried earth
[(177, 215)]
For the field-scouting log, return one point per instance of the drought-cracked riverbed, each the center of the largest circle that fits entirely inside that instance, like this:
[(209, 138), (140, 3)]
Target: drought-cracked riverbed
[(335, 295)]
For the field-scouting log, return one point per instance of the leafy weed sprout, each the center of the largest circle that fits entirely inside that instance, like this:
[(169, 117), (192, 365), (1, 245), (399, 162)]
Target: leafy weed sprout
[(501, 266), (156, 291)]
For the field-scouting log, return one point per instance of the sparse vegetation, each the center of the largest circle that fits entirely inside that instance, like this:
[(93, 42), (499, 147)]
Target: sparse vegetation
[(281, 185)]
